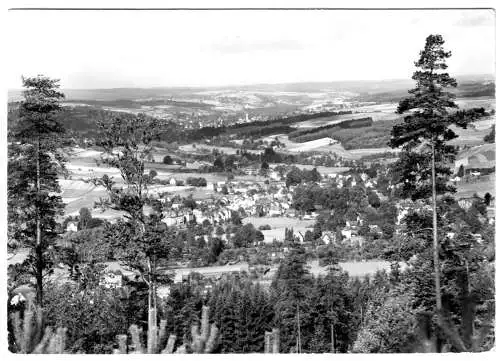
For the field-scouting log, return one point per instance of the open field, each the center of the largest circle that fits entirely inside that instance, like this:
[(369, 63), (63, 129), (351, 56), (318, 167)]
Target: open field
[(373, 136), (354, 269), (200, 148), (82, 166), (475, 132), (313, 145), (321, 169), (278, 222), (486, 102), (278, 234), (319, 122), (368, 151), (377, 112), (291, 147), (482, 186), (387, 108), (198, 193), (77, 194)]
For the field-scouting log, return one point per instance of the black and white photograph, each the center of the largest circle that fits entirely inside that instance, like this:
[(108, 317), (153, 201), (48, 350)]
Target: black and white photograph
[(235, 180)]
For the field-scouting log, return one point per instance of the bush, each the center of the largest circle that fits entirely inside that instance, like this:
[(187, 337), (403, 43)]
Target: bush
[(167, 159), (93, 317), (196, 182)]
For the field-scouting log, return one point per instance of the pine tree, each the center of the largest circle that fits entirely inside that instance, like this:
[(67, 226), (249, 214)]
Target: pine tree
[(84, 218), (291, 285), (425, 132), (35, 160), (260, 317)]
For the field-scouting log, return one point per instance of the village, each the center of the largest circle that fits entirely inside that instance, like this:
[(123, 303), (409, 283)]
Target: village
[(270, 206)]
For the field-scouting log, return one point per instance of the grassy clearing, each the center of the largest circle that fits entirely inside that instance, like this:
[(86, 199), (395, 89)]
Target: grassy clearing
[(279, 222), (376, 135), (487, 184), (486, 102), (200, 148), (323, 170)]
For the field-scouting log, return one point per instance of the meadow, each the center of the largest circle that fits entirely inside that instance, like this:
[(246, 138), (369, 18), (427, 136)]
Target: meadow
[(483, 185), (279, 222)]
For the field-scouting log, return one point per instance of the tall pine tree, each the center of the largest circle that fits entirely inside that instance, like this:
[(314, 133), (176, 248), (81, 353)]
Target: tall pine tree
[(423, 166), (35, 159)]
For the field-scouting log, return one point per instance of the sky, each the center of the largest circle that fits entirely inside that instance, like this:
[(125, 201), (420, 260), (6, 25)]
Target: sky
[(112, 49)]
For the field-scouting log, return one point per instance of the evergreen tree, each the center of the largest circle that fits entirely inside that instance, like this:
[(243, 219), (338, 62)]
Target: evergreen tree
[(291, 286), (84, 219), (336, 305), (390, 325), (490, 137), (35, 159), (487, 198), (425, 132), (373, 199)]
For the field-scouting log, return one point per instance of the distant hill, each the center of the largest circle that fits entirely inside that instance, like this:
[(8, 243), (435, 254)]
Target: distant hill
[(82, 121), (379, 90)]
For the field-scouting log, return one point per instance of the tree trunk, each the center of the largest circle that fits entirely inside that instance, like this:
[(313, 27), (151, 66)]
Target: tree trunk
[(468, 309), (39, 270), (332, 331), (38, 248), (299, 347), (152, 327), (434, 233)]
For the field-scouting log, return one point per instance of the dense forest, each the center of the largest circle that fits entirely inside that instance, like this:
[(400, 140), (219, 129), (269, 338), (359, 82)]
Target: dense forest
[(263, 128)]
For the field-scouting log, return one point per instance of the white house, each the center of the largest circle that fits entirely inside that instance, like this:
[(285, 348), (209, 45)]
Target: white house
[(328, 237), (274, 176), (347, 233), (111, 280), (71, 227)]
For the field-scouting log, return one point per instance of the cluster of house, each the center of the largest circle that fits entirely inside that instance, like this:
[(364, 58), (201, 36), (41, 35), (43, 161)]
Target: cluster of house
[(180, 216), (252, 198), (350, 234), (352, 180), (265, 202)]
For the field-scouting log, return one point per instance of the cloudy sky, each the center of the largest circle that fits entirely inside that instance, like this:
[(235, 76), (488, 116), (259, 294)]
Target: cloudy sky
[(106, 49)]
